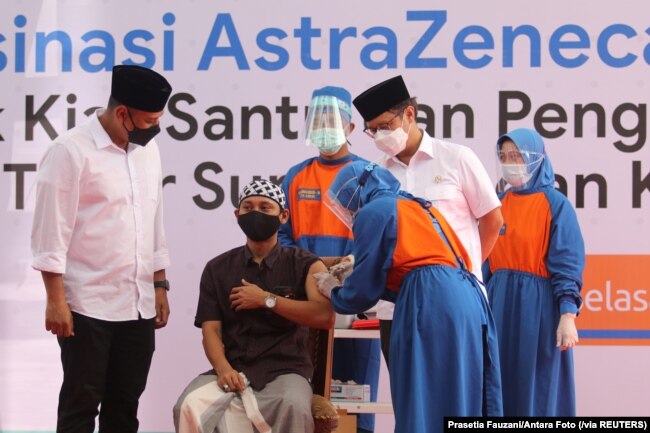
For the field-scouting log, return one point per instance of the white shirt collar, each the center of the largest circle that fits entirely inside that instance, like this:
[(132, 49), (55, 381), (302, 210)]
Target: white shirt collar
[(101, 137)]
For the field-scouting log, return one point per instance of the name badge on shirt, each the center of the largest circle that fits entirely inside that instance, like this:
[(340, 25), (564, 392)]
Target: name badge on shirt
[(309, 194)]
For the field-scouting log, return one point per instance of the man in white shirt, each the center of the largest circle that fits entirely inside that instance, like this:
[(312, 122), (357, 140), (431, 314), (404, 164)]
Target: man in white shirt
[(447, 174), (99, 243)]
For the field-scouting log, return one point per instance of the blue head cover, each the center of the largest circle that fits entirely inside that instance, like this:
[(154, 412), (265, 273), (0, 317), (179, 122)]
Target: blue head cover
[(358, 183), (344, 99), (529, 140)]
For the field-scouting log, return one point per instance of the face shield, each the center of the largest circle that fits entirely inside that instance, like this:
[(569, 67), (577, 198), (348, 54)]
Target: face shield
[(327, 124), (517, 166), (345, 202)]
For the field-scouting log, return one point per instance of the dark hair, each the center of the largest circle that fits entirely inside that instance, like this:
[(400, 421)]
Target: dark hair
[(112, 103)]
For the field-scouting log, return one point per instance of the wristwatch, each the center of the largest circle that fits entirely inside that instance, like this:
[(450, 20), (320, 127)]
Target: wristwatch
[(270, 301), (162, 283)]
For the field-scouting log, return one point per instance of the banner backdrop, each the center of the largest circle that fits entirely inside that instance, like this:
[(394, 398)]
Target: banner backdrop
[(243, 72)]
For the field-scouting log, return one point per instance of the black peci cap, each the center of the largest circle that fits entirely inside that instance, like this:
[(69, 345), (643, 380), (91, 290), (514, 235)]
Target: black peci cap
[(140, 88), (381, 97)]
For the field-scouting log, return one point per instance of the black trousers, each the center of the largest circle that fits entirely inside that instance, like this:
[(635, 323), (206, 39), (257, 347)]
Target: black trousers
[(385, 327), (105, 365)]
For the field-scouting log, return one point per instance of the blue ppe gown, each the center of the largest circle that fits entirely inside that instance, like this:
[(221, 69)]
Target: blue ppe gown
[(533, 275), (444, 356)]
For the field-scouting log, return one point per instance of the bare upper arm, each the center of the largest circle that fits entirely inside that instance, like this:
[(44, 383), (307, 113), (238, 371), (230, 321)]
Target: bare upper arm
[(310, 284), (492, 219), (330, 260), (489, 226)]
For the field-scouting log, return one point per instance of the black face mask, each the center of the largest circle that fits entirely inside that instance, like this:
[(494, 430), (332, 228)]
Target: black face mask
[(258, 226), (141, 136)]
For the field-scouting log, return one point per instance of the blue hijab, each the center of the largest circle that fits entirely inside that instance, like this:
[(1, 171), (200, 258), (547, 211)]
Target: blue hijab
[(529, 140), (359, 182)]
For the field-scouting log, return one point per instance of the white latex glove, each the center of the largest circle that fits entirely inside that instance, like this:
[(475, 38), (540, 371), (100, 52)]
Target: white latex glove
[(348, 258), (325, 282), (567, 334), (343, 269)]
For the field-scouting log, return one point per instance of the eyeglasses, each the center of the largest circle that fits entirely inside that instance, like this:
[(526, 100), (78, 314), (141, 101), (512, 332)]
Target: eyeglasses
[(371, 132)]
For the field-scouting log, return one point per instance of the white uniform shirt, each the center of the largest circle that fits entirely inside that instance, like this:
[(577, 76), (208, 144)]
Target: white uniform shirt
[(454, 180), (99, 222)]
